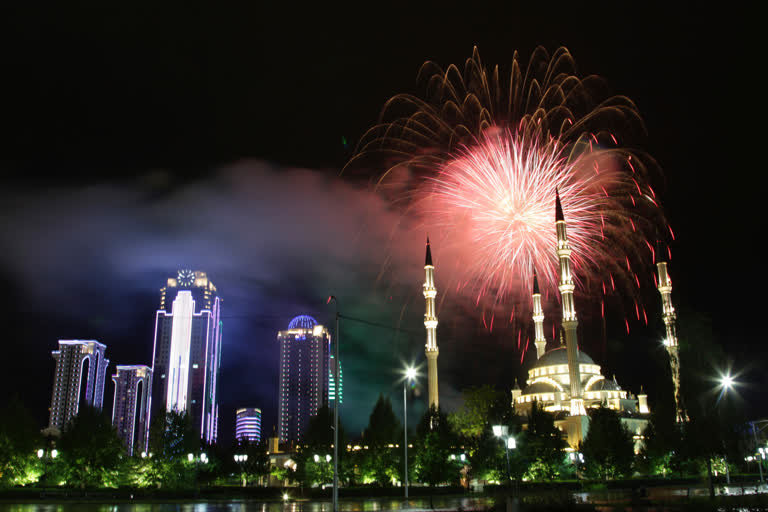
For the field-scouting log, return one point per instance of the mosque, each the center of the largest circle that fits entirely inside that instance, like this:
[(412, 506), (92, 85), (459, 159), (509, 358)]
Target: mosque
[(566, 380)]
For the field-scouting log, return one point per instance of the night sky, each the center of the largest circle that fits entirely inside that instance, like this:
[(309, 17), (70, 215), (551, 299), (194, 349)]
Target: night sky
[(145, 138)]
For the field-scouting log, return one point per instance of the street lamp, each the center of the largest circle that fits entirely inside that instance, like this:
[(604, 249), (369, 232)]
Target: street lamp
[(336, 409), (240, 459), (502, 432), (410, 377)]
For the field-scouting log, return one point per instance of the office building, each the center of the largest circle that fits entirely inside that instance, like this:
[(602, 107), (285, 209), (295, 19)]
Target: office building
[(187, 351), (248, 425), (130, 409), (79, 379), (304, 375)]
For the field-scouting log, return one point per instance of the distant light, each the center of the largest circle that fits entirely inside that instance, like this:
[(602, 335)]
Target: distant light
[(511, 443), (727, 381), (143, 455), (463, 457), (317, 458), (410, 373), (285, 496), (190, 457), (327, 458), (500, 430), (40, 453), (54, 453)]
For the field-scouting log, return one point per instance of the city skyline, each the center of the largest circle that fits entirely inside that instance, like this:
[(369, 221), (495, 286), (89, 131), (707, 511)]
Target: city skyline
[(123, 170)]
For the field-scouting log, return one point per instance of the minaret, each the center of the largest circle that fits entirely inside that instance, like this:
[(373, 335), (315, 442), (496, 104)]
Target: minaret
[(430, 322), (668, 314), (570, 323), (538, 319)]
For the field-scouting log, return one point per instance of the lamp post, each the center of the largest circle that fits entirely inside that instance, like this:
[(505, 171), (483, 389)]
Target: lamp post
[(240, 459), (726, 383), (336, 409), (410, 376), (502, 432)]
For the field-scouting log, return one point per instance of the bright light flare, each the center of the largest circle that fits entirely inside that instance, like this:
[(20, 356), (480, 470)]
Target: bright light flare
[(494, 202)]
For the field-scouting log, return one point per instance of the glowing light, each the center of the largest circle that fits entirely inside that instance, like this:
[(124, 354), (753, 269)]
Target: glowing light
[(178, 363), (726, 381), (480, 157), (302, 322)]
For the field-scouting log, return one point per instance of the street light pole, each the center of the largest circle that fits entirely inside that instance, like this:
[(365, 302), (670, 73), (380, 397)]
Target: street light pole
[(761, 456), (336, 409), (501, 431), (410, 375), (405, 435)]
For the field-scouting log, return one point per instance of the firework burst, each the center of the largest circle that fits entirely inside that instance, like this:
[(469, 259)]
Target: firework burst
[(478, 158)]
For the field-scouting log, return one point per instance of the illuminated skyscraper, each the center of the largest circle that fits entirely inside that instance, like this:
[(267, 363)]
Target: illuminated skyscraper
[(248, 425), (187, 351), (130, 409), (79, 379), (304, 375)]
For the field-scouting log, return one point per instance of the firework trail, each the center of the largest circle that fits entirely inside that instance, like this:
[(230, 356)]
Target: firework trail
[(478, 158)]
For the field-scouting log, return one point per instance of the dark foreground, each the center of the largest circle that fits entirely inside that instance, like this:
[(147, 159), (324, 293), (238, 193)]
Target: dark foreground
[(667, 498)]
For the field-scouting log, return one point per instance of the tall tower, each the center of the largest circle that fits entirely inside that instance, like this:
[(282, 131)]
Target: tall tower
[(187, 352), (668, 314), (430, 322), (538, 319), (130, 409), (80, 372), (304, 383), (570, 322)]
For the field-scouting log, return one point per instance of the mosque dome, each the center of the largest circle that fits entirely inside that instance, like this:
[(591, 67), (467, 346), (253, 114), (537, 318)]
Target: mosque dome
[(559, 356), (302, 322), (604, 385)]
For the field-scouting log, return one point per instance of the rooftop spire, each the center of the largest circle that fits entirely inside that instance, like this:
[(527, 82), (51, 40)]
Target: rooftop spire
[(558, 207), (661, 252), (535, 283), (428, 260)]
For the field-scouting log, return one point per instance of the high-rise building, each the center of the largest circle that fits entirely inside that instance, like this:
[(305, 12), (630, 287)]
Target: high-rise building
[(79, 379), (304, 375), (187, 351), (332, 382), (130, 409), (248, 425)]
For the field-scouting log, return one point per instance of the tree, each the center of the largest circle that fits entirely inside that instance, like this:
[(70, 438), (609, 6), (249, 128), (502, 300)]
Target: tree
[(608, 448), (380, 462), (661, 438), (257, 465), (318, 440), (433, 450), (542, 445), (483, 407), (91, 450), (171, 439), (19, 440)]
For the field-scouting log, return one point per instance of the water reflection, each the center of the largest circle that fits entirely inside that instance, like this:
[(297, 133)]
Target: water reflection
[(363, 505)]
